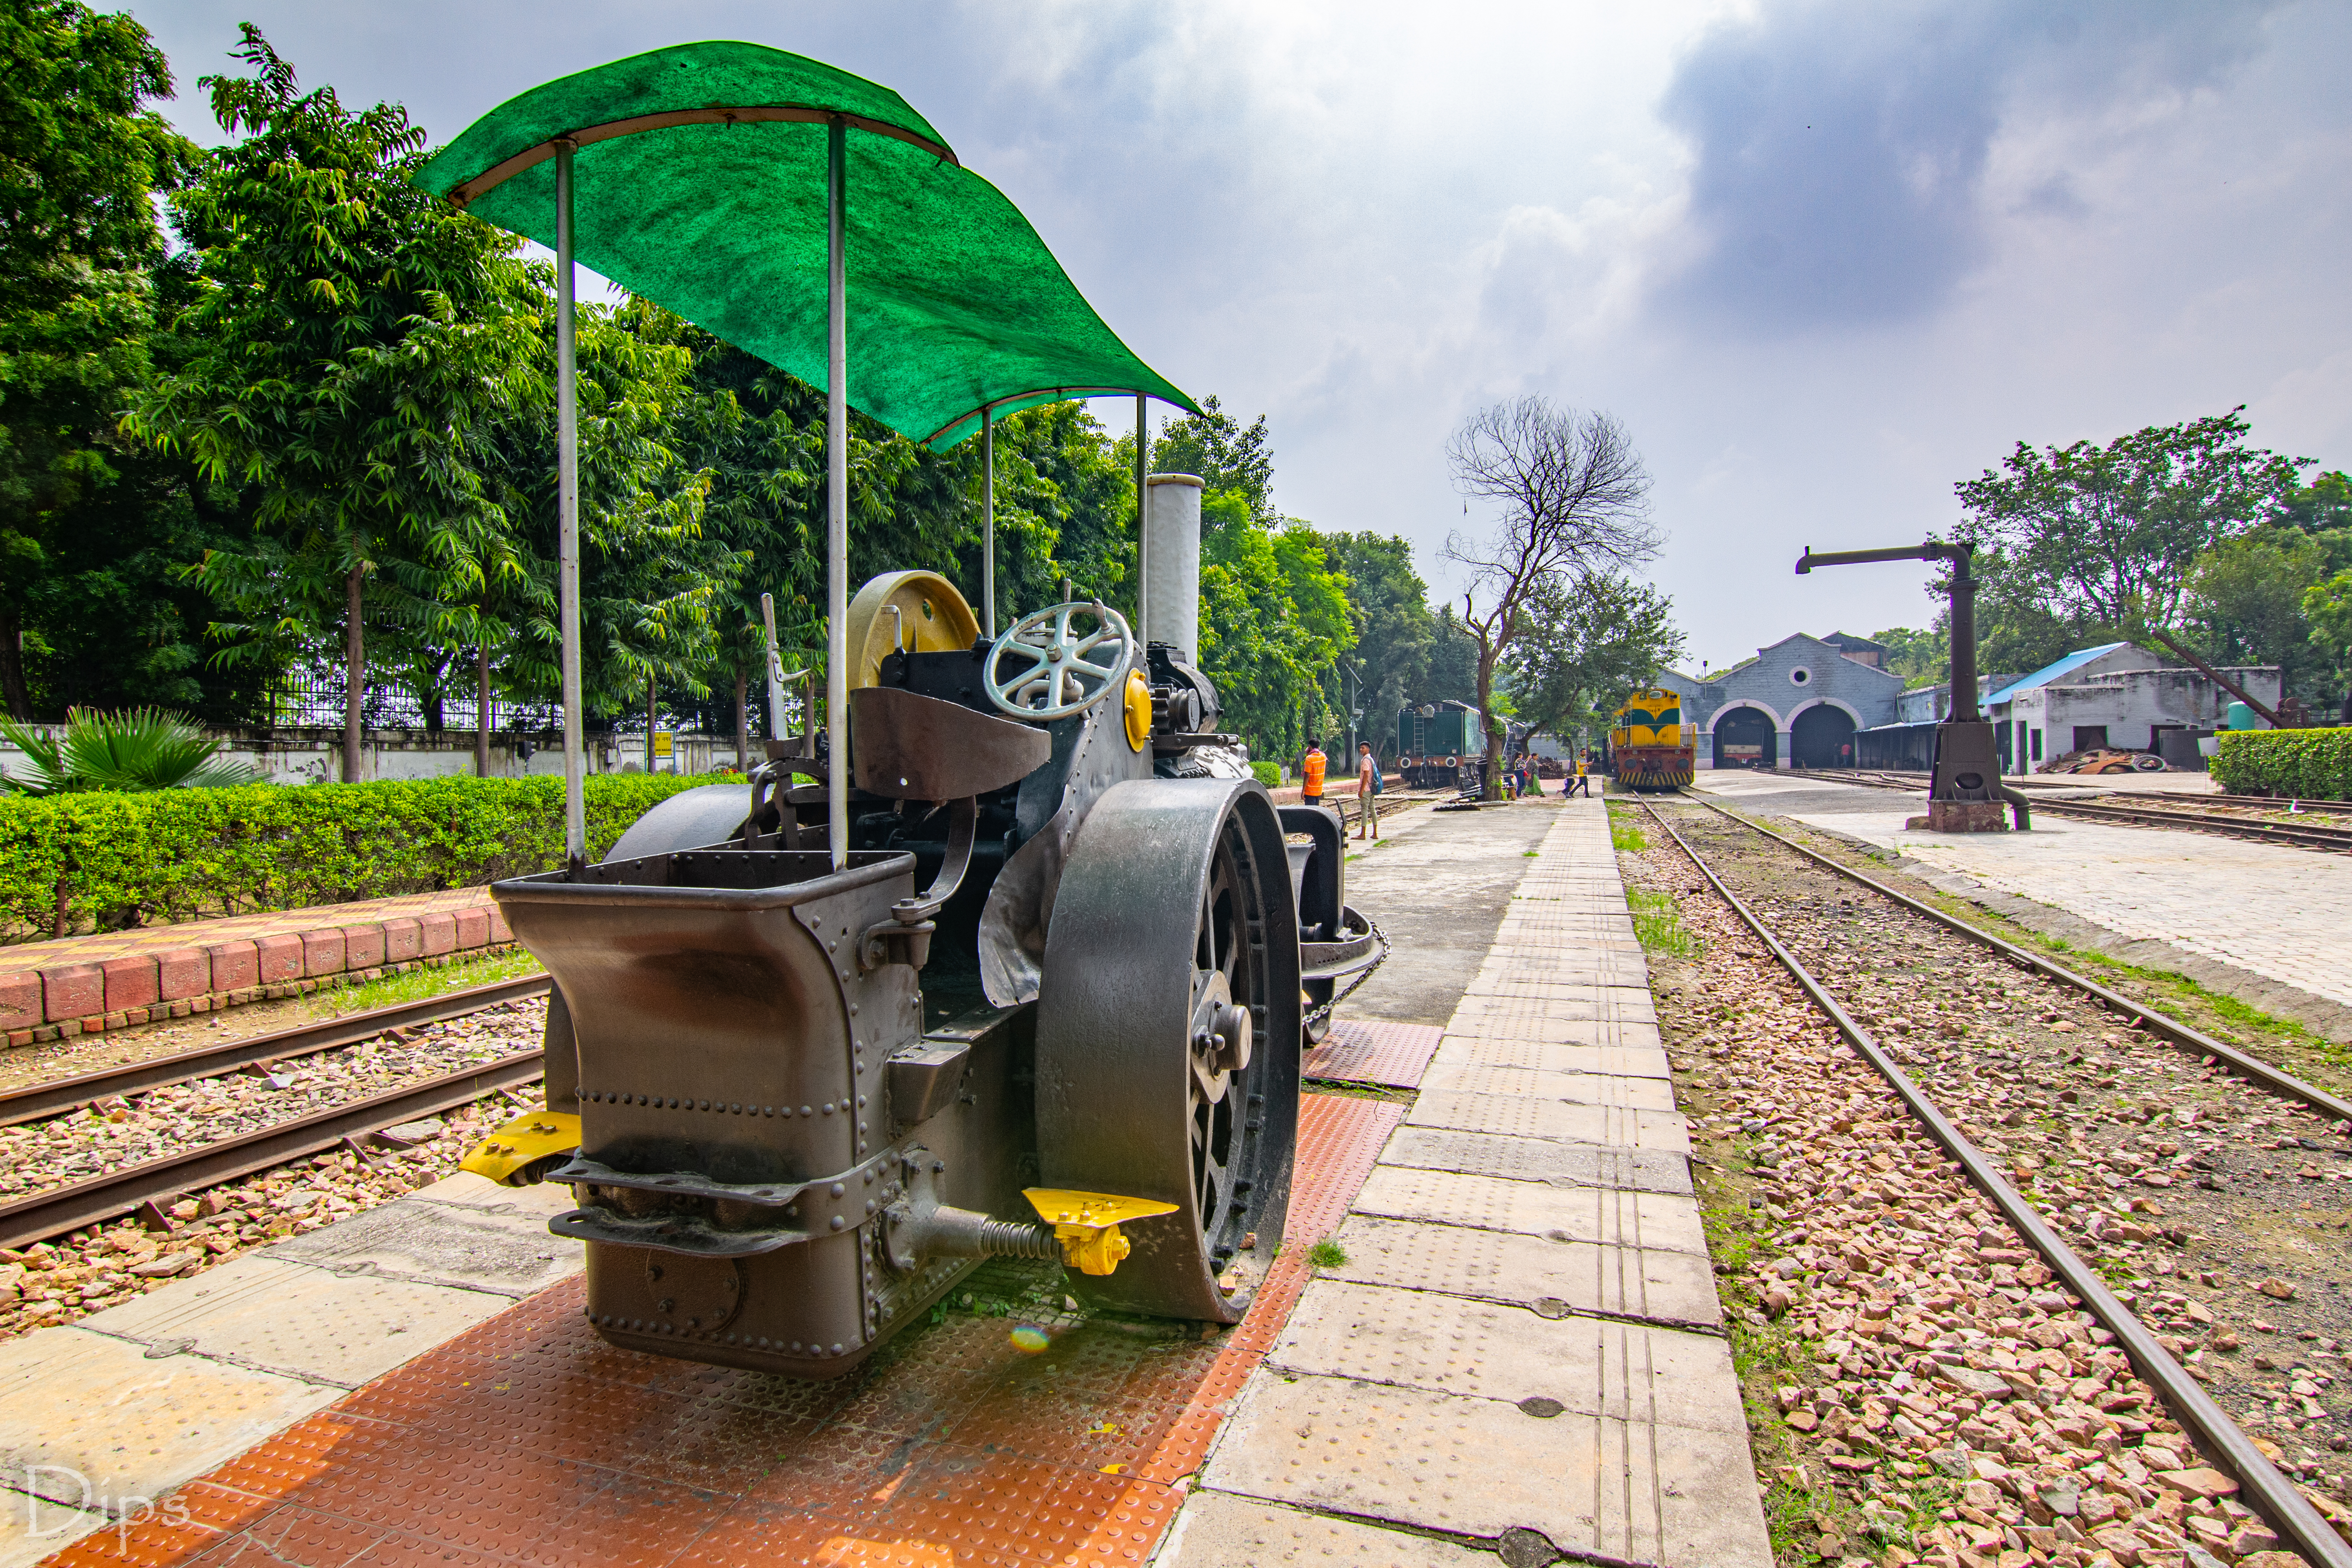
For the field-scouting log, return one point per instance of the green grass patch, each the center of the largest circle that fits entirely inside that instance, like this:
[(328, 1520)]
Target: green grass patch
[(422, 982), (1626, 839), (1658, 924), (1327, 1254)]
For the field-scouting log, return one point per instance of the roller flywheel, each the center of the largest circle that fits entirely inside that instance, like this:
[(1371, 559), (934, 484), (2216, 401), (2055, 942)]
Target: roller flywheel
[(1167, 1037)]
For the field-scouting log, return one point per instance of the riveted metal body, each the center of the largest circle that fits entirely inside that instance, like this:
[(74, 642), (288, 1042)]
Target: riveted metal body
[(738, 1134)]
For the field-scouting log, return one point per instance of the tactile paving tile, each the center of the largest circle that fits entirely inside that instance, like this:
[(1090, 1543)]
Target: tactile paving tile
[(1373, 1051), (1609, 1216), (1619, 1061), (1221, 1531), (527, 1439), (1650, 1283), (1663, 1132), (1596, 1486), (1538, 1160), (1535, 1019), (1595, 1366), (1573, 1087)]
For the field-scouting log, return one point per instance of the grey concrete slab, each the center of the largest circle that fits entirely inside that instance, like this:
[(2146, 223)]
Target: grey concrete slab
[(1612, 1216), (266, 1314), (81, 1407), (1438, 887), (1529, 1021), (1650, 1283), (1663, 1132), (470, 1235), (1574, 1087), (1592, 1366), (1218, 1529), (33, 1528), (1538, 1160), (1592, 1485), (1620, 1061)]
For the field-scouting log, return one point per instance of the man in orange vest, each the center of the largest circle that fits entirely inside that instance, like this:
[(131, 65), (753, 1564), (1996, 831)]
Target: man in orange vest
[(1310, 775)]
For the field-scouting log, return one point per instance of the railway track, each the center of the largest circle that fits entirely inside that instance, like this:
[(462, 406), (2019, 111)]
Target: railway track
[(2302, 835), (1830, 942), (58, 1210)]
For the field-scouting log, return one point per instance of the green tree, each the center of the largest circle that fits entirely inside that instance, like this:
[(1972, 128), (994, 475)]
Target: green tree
[(81, 159), (1394, 628), (1588, 643), (2106, 535), (2245, 606), (1574, 500), (1223, 453), (1921, 658), (336, 373)]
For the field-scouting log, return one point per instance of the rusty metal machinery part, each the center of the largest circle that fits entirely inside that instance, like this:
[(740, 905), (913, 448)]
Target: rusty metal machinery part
[(1175, 922), (2271, 1493), (900, 610)]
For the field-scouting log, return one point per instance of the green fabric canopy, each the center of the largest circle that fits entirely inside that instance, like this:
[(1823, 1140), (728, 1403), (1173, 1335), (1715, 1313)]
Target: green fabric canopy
[(699, 184)]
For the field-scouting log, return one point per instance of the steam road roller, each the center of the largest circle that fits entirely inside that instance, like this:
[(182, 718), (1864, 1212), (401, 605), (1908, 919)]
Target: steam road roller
[(1010, 957), (1051, 1006)]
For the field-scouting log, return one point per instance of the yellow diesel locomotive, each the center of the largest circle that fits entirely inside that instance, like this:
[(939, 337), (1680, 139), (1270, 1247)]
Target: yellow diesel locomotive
[(1649, 747)]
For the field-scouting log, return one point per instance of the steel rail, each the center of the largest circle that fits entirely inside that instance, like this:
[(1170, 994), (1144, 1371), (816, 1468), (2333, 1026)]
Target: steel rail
[(37, 1101), (2159, 1022), (2269, 1492), (63, 1209), (2313, 837)]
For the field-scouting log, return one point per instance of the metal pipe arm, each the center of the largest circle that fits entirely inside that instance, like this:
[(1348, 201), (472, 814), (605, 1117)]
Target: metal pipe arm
[(1933, 550)]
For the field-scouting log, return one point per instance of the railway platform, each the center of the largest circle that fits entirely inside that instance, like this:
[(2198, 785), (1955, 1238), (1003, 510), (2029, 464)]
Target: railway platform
[(1491, 1327), (2271, 924)]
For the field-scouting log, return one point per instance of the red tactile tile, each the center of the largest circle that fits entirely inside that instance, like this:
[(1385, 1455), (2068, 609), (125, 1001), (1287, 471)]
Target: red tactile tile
[(527, 1440), (1379, 1052)]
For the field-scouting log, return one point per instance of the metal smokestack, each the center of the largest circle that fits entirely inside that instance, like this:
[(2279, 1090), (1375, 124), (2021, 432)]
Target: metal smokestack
[(1171, 563)]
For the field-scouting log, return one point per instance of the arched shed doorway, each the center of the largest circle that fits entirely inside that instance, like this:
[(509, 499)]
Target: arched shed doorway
[(1744, 738), (1822, 737)]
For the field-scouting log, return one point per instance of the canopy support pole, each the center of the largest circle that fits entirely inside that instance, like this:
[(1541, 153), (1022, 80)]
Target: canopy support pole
[(836, 502), (567, 513), (1142, 551), (988, 520)]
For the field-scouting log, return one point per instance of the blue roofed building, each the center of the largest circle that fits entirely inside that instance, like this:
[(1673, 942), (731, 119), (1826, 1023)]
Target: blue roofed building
[(2116, 695)]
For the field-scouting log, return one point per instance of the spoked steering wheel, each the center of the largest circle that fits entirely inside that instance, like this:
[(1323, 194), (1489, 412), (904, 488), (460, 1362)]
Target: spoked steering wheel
[(1046, 667)]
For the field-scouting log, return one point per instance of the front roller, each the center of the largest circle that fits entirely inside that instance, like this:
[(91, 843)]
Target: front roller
[(1167, 1037)]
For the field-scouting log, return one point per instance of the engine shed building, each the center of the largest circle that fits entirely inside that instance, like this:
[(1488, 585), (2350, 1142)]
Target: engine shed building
[(1797, 703)]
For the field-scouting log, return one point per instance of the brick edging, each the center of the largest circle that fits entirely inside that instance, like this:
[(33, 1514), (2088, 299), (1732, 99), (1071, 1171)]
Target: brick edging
[(69, 1000)]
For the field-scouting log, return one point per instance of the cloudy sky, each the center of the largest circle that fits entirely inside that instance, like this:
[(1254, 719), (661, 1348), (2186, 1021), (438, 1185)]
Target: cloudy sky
[(1823, 259)]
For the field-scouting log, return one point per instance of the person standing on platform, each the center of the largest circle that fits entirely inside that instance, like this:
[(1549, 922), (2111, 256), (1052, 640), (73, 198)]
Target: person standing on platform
[(1368, 785), (1311, 775), (1580, 784)]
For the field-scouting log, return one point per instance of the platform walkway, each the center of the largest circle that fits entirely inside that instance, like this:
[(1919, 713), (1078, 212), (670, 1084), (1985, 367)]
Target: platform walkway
[(1521, 1346), (78, 985), (2272, 910), (1524, 1335)]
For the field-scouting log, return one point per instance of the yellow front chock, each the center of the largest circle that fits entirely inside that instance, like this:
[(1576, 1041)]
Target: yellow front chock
[(1087, 1224), (505, 1155)]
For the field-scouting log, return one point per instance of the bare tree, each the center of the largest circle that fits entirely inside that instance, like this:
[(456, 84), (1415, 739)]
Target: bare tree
[(1575, 501)]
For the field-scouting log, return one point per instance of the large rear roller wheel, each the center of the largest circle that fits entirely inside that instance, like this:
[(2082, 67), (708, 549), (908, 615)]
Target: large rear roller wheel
[(1167, 1037)]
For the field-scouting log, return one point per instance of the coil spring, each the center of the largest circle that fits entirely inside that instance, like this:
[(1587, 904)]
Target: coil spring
[(1010, 1238)]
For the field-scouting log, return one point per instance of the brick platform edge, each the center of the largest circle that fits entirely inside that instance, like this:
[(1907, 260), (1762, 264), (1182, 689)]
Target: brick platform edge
[(63, 1002)]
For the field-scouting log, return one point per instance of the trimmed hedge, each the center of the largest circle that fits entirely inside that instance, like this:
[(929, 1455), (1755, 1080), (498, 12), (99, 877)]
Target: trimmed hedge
[(113, 860), (2315, 764)]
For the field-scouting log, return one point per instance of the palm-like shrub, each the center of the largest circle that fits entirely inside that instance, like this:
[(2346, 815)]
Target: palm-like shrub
[(137, 749)]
